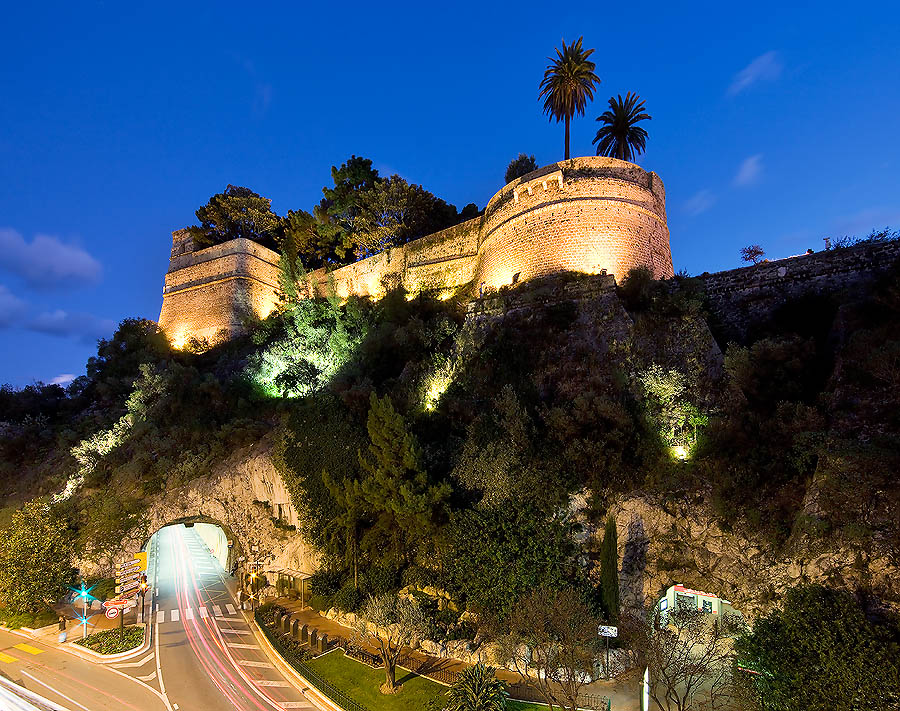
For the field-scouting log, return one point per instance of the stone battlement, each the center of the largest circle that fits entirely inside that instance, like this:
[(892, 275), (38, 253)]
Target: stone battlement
[(594, 215)]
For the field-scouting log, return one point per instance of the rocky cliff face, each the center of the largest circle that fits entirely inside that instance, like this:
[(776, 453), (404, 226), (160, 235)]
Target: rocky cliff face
[(664, 544), (245, 496)]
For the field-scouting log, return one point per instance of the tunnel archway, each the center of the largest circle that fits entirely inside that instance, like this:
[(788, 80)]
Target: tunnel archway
[(224, 544)]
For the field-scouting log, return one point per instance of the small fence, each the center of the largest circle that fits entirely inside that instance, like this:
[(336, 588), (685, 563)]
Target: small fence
[(524, 692), (332, 692)]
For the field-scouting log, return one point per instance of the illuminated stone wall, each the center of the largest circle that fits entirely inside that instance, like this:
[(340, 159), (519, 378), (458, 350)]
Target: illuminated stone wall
[(207, 292), (589, 215), (586, 215)]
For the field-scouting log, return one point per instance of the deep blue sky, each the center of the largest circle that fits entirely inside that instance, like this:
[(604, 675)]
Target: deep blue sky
[(773, 125)]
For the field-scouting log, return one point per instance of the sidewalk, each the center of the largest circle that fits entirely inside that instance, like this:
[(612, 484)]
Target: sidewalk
[(623, 694)]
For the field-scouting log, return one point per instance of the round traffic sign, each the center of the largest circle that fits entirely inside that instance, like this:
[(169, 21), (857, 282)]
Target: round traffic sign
[(112, 613)]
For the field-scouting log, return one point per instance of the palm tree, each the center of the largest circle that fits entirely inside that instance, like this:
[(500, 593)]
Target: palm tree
[(620, 137), (568, 84)]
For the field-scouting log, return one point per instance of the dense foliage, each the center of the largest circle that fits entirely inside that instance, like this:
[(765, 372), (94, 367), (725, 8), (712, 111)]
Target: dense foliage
[(819, 650), (425, 450), (35, 559)]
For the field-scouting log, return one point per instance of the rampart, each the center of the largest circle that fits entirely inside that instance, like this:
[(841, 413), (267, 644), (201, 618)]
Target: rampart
[(593, 215), (210, 292), (740, 299)]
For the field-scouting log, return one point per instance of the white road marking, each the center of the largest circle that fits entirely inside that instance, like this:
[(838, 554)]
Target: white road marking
[(58, 693), (251, 663), (235, 631), (295, 705), (160, 616), (149, 677), (204, 613), (218, 611), (189, 613), (142, 662), (270, 682), (230, 610), (238, 645)]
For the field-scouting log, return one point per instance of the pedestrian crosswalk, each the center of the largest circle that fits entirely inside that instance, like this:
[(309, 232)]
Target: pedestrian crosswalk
[(221, 612)]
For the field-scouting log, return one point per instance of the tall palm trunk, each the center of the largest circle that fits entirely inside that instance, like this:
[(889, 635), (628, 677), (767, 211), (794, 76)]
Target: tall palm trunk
[(568, 118)]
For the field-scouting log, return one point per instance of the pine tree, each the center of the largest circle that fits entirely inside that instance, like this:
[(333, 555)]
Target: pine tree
[(395, 486), (609, 568)]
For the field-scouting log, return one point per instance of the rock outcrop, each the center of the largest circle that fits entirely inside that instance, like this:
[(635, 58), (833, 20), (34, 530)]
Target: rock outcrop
[(246, 496)]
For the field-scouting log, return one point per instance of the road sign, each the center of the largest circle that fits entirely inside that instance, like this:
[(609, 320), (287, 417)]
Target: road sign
[(111, 613), (119, 602), (128, 577), (608, 631), (141, 558)]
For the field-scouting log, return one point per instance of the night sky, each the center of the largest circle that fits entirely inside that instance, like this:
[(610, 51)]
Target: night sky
[(771, 124)]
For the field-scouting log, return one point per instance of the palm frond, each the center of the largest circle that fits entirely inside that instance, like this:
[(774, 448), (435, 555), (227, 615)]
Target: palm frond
[(620, 136)]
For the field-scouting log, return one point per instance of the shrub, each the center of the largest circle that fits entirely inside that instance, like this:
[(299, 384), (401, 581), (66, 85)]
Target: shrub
[(348, 598)]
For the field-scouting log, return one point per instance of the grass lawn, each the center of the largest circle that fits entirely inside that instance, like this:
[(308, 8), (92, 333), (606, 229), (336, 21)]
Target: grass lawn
[(361, 684)]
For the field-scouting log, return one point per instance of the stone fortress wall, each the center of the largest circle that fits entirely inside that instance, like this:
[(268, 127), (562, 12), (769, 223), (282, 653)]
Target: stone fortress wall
[(594, 214)]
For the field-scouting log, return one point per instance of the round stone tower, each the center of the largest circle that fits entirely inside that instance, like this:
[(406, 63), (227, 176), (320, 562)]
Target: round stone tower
[(588, 214)]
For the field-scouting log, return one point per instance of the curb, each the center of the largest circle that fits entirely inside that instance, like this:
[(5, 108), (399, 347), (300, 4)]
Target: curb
[(305, 688)]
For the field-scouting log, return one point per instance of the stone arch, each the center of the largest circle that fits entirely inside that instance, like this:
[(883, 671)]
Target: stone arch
[(236, 547), (247, 498)]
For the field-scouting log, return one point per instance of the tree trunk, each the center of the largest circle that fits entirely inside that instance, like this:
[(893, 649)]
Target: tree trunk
[(390, 672), (567, 137)]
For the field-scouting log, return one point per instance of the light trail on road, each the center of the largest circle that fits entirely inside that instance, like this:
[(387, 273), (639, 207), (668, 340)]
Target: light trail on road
[(206, 640)]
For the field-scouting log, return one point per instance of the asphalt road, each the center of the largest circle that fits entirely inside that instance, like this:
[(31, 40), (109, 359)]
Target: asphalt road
[(207, 659), (71, 682), (203, 656)]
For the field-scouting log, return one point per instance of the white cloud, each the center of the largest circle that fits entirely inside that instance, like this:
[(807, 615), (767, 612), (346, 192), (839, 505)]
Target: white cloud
[(11, 307), (700, 202), (766, 67), (63, 379), (85, 327), (749, 171), (46, 262)]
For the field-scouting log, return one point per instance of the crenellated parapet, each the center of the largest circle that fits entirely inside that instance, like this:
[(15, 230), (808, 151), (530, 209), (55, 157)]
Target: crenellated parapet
[(593, 215)]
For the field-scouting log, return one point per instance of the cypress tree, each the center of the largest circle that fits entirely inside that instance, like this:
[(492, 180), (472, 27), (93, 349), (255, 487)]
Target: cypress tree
[(609, 569)]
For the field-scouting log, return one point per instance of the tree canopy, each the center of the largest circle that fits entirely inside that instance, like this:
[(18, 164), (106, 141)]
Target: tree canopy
[(35, 559), (523, 164), (620, 136), (568, 84), (235, 212), (818, 651)]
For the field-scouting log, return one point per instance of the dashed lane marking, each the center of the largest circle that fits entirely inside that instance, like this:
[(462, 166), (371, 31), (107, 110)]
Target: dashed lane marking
[(239, 645), (230, 609), (295, 705), (28, 648), (189, 613), (218, 611), (161, 616), (251, 663), (174, 616), (271, 682), (235, 631), (204, 613)]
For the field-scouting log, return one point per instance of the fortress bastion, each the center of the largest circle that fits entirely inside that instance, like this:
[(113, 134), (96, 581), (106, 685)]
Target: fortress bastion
[(591, 214)]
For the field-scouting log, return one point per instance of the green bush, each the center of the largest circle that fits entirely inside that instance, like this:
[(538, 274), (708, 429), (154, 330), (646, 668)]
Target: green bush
[(348, 598), (114, 641)]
